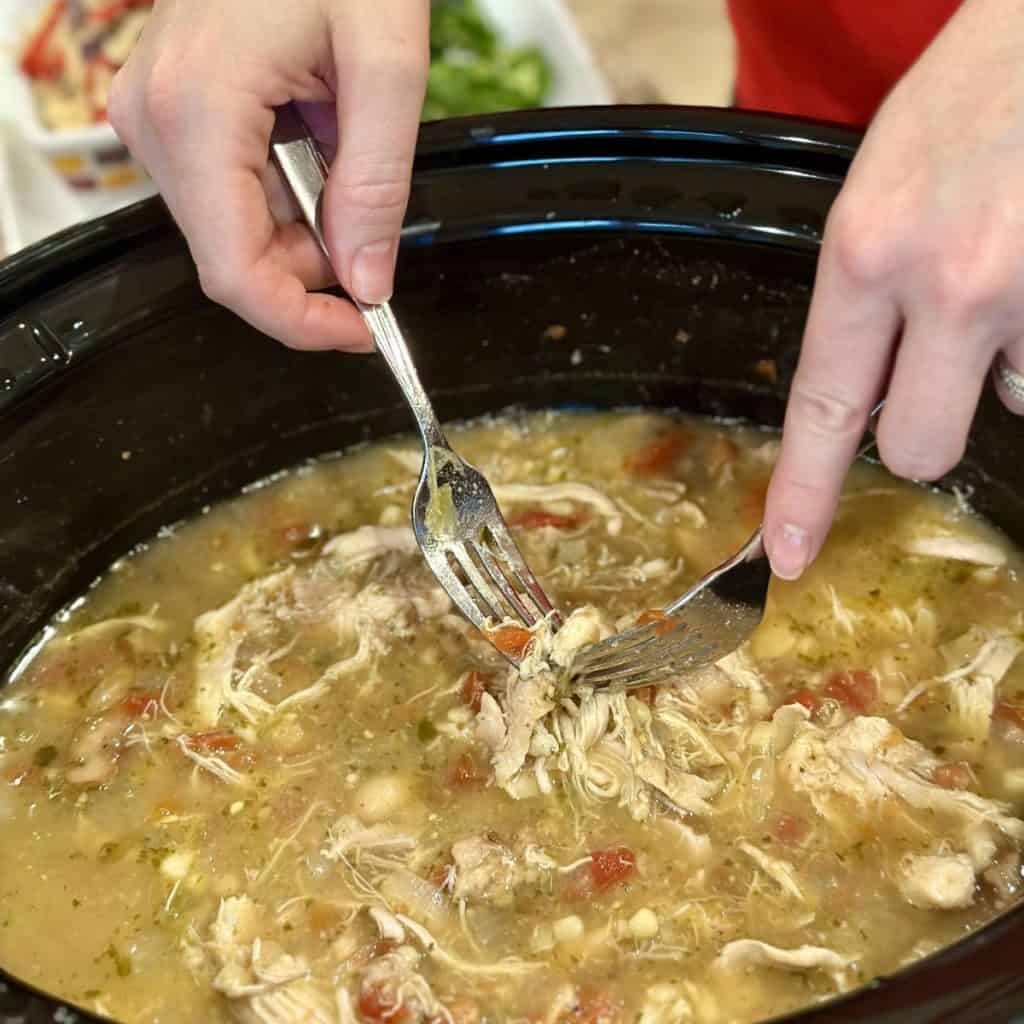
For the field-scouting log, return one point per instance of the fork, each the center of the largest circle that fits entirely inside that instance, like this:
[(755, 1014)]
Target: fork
[(455, 516), (711, 620)]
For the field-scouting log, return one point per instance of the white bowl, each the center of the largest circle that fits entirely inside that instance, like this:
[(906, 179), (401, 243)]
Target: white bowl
[(101, 173), (91, 158)]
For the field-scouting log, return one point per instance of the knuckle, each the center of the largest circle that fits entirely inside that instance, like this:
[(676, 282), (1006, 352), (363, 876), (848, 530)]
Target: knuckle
[(384, 190), (163, 98), (118, 110), (972, 281), (218, 285), (827, 414), (919, 462), (861, 240)]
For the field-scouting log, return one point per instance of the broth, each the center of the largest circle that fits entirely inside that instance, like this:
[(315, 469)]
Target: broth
[(264, 772)]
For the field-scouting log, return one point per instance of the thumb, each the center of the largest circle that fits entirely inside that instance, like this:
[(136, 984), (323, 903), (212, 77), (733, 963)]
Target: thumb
[(381, 77)]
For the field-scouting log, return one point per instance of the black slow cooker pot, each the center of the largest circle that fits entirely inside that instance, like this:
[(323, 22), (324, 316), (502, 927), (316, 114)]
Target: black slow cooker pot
[(675, 247)]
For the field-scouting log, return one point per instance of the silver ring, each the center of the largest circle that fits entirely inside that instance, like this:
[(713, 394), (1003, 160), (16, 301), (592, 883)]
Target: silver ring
[(1010, 378)]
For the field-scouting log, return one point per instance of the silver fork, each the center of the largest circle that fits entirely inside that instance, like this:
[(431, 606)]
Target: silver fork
[(712, 619), (455, 516)]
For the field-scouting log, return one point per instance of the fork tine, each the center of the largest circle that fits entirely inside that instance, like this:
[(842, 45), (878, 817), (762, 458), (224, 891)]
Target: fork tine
[(521, 571), (661, 649), (629, 642), (654, 647), (632, 676), (501, 581), (597, 656), (455, 588), (481, 584)]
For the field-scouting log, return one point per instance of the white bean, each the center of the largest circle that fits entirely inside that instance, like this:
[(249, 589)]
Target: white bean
[(567, 929), (379, 797), (643, 924)]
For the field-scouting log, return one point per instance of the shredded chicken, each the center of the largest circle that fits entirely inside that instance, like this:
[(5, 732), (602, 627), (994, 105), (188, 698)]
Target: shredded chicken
[(264, 984), (957, 548), (367, 614), (747, 953), (850, 772), (943, 882), (583, 494), (484, 871)]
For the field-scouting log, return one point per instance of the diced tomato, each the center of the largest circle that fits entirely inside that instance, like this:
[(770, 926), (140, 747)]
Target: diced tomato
[(1012, 714), (533, 519), (594, 1008), (659, 455), (648, 694), (661, 622), (217, 740), (297, 535), (513, 641), (473, 690), (140, 703), (464, 773), (808, 698), (752, 503), (36, 61), (856, 690), (788, 829), (611, 867), (955, 775), (375, 1004)]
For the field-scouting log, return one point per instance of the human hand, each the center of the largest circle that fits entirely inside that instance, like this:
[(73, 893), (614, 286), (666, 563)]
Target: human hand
[(195, 103), (920, 281)]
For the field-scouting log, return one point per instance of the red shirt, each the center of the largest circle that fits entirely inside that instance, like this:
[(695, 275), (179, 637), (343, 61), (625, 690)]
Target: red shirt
[(830, 59)]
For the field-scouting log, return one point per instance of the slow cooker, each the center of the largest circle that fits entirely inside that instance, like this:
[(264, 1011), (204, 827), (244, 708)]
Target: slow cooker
[(672, 249)]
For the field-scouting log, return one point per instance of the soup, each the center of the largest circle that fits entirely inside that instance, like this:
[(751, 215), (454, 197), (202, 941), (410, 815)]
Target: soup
[(264, 772)]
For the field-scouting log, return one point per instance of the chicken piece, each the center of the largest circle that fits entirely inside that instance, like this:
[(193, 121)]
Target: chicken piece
[(263, 983), (485, 871), (848, 773), (490, 723), (583, 627), (665, 1004), (582, 494), (744, 677), (96, 749), (349, 837), (695, 845), (977, 662), (367, 543), (747, 953), (528, 701), (959, 549), (393, 983), (275, 989), (219, 634), (781, 871), (942, 882)]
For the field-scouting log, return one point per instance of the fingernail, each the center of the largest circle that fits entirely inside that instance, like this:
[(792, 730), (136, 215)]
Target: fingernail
[(372, 270), (792, 552)]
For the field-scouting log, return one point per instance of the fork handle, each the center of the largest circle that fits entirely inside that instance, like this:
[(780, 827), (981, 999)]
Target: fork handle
[(302, 165)]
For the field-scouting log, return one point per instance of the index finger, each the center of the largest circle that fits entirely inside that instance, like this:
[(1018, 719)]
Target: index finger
[(851, 330)]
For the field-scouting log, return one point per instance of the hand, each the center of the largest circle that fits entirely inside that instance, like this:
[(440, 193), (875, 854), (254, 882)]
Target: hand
[(920, 281), (195, 104)]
